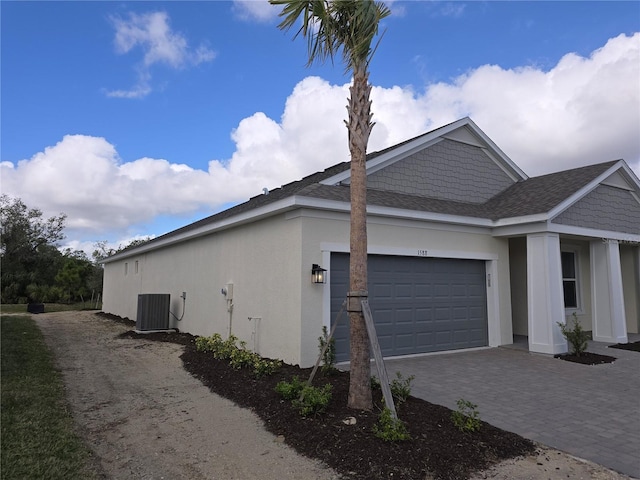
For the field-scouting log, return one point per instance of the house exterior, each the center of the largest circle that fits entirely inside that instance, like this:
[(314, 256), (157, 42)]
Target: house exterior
[(464, 249)]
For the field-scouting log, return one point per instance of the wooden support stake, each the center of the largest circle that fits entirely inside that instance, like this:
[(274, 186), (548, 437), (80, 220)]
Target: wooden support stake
[(324, 349), (377, 355)]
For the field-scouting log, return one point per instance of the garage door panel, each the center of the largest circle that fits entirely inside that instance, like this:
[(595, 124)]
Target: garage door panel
[(382, 290), (443, 339), (419, 305), (441, 290), (423, 291), (404, 316), (405, 340), (404, 290), (386, 318)]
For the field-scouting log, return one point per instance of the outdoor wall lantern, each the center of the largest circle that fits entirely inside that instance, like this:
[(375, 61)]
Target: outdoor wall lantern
[(318, 274)]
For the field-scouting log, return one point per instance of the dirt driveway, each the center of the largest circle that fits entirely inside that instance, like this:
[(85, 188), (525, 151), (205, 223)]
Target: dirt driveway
[(145, 417)]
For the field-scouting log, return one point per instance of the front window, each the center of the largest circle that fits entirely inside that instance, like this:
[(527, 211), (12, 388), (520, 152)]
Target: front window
[(570, 279)]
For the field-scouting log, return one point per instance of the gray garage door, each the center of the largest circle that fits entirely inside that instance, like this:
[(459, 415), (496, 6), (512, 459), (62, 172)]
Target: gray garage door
[(419, 305)]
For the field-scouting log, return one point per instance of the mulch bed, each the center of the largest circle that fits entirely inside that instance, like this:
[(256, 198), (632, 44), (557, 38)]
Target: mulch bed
[(436, 448), (633, 346), (586, 358)]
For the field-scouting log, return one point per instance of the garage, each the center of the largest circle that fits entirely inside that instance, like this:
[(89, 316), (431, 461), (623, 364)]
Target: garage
[(419, 304)]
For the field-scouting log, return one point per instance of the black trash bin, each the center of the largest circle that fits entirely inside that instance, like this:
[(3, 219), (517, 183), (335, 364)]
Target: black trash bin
[(35, 307)]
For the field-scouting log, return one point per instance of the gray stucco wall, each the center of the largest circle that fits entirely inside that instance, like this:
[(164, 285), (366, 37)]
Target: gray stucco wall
[(448, 170), (605, 208)]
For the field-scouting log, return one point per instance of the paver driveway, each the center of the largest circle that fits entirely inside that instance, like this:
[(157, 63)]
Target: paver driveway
[(592, 412)]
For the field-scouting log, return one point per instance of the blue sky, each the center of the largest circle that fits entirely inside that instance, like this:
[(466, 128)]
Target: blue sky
[(135, 118)]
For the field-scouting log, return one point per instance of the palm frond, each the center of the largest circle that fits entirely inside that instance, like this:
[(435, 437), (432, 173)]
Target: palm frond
[(332, 25)]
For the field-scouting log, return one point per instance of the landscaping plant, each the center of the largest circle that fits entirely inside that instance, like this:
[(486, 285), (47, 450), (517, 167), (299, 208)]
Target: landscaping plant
[(400, 387), (239, 356), (327, 347), (390, 429), (313, 400), (466, 417), (307, 399), (576, 336), (290, 390)]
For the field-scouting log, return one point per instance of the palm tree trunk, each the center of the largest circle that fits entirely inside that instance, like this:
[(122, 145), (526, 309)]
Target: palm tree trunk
[(359, 127)]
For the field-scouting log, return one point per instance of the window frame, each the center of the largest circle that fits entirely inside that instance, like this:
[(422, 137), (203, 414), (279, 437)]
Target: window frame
[(576, 252)]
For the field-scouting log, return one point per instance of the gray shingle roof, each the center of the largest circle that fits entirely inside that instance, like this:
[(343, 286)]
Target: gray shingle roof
[(527, 197), (541, 194)]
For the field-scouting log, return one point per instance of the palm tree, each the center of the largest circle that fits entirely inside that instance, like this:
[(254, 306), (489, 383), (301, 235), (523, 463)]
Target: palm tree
[(331, 26)]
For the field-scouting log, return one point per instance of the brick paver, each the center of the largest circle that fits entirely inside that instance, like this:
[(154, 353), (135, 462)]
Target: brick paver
[(592, 412)]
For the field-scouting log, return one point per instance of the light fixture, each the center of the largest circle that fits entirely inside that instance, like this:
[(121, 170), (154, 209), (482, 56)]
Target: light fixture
[(318, 274)]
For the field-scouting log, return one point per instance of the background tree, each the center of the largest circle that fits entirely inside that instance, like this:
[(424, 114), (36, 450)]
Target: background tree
[(30, 258), (33, 267), (348, 26), (73, 278)]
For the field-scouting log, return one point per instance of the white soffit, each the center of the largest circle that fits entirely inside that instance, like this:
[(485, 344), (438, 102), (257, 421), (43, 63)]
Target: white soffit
[(617, 180)]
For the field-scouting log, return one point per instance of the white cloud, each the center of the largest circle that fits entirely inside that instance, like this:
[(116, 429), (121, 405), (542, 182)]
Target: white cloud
[(582, 111), (256, 10), (451, 9), (152, 33)]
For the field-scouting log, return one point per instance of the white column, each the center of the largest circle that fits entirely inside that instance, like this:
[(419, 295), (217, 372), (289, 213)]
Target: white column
[(544, 294), (607, 297)]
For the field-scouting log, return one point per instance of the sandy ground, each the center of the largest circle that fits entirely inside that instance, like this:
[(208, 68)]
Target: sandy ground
[(145, 417)]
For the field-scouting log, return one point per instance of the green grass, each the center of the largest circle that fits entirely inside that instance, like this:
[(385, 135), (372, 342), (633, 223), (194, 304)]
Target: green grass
[(37, 437), (8, 308)]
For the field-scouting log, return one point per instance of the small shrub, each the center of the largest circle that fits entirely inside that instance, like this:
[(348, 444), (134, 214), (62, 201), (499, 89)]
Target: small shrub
[(329, 356), (390, 429), (264, 367), (401, 387), (314, 400), (242, 358), (467, 417), (238, 355), (208, 344), (290, 390), (576, 336), (226, 348)]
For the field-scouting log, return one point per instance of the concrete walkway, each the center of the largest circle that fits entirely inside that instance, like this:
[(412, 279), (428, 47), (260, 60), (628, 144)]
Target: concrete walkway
[(591, 412)]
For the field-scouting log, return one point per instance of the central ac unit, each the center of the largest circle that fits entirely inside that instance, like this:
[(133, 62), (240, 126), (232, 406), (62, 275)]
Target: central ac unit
[(153, 311)]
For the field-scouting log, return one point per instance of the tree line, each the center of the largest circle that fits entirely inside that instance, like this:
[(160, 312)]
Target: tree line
[(35, 269)]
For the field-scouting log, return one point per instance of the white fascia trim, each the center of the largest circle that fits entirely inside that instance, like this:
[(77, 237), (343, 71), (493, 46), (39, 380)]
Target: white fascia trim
[(630, 174), (388, 158), (501, 166), (405, 149), (291, 203), (495, 148), (411, 252), (394, 212), (428, 216), (520, 229), (594, 233), (265, 211), (425, 225), (558, 209), (527, 219)]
